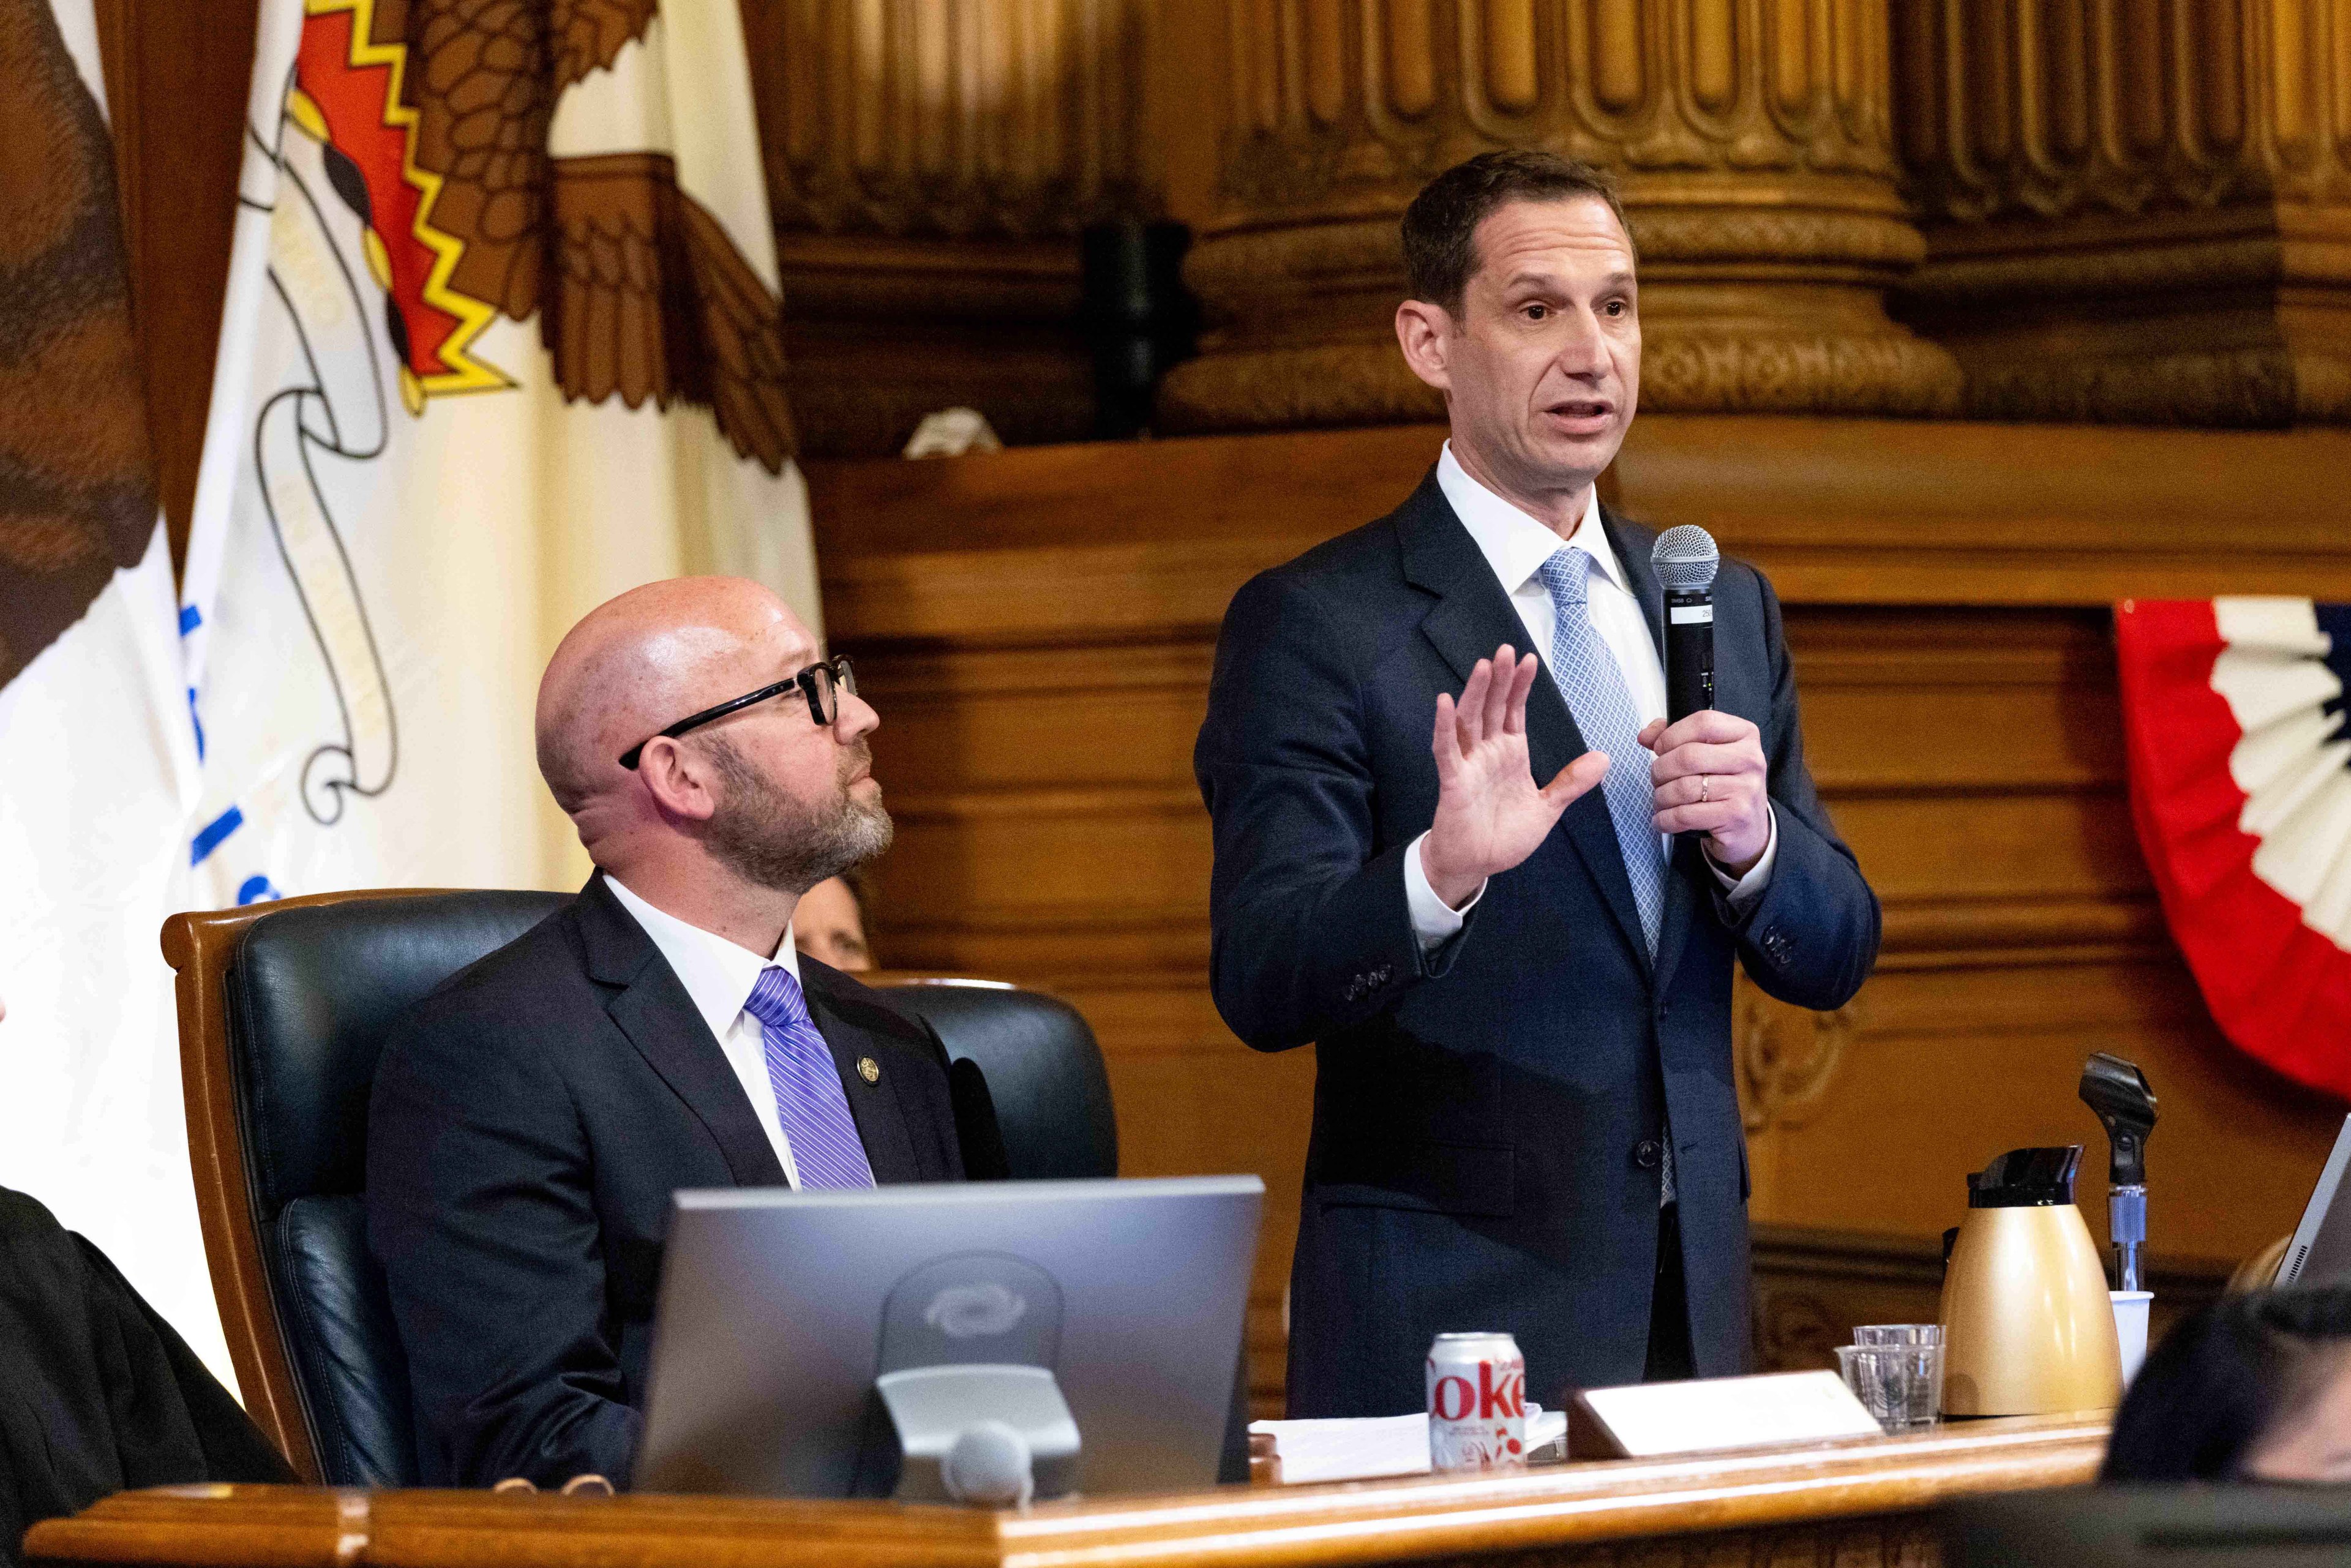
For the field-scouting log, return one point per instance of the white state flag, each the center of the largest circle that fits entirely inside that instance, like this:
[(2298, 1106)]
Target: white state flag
[(502, 339), (96, 754)]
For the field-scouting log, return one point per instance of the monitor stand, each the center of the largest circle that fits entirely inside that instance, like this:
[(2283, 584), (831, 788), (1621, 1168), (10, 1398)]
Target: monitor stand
[(990, 1436)]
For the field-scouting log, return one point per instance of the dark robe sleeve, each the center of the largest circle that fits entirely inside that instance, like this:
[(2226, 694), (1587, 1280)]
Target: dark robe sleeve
[(97, 1392)]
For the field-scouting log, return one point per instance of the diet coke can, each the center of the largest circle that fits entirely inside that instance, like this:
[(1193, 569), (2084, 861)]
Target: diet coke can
[(1477, 1403)]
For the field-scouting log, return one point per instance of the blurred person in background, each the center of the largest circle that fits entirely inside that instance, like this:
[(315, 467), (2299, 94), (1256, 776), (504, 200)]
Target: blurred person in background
[(2254, 1387), (829, 922)]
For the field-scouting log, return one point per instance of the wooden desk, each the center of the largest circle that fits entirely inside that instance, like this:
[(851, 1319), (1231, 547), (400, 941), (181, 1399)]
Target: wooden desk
[(1856, 1506)]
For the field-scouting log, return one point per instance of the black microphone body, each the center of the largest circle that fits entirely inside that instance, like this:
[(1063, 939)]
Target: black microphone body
[(1685, 559), (1689, 652)]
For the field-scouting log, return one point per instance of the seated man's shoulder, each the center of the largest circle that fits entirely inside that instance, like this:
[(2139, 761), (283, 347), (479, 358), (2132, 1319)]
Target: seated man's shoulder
[(534, 986)]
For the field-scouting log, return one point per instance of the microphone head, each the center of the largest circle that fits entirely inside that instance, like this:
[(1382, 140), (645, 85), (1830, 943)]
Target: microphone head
[(1686, 558)]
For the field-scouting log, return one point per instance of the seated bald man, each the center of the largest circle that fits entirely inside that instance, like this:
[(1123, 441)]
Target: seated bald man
[(531, 1117)]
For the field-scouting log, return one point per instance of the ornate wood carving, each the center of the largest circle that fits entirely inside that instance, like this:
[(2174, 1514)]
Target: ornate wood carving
[(1011, 119), (930, 163), (1755, 136), (1787, 1055), (2139, 210)]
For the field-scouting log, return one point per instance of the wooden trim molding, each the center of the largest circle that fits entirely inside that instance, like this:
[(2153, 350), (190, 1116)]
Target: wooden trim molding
[(1840, 512), (1874, 1489)]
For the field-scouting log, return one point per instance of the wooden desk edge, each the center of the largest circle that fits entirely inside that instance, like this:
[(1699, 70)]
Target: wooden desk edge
[(1348, 1523)]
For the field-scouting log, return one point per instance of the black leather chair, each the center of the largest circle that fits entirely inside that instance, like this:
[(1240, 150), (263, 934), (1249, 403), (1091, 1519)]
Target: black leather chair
[(1038, 1069), (312, 993), (279, 1076)]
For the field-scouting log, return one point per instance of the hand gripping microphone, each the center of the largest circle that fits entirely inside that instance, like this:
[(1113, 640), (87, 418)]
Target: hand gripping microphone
[(1686, 558)]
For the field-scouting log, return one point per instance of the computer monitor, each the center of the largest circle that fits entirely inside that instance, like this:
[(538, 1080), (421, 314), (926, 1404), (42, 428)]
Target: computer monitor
[(2187, 1526), (2320, 1251), (779, 1309)]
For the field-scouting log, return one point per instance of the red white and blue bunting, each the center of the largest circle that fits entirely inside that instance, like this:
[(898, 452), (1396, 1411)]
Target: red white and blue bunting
[(2241, 787)]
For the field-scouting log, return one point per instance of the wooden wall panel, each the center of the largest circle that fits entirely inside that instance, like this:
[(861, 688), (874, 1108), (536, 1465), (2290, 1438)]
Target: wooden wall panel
[(1036, 628)]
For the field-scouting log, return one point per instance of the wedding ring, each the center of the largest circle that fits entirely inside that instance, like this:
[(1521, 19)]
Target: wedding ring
[(1705, 784)]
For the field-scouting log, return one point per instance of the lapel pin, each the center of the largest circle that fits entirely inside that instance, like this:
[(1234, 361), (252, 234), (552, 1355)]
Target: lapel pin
[(869, 1070)]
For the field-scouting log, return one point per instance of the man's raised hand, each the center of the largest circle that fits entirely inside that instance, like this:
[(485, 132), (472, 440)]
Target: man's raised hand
[(1489, 815)]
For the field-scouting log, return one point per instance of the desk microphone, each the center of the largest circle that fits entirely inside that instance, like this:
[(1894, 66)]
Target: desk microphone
[(1685, 559)]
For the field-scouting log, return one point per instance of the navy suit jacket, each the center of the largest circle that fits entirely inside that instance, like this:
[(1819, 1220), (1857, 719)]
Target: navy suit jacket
[(529, 1121), (1484, 1151)]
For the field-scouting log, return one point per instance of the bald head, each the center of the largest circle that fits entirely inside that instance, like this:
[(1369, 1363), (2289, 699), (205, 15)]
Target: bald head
[(640, 662)]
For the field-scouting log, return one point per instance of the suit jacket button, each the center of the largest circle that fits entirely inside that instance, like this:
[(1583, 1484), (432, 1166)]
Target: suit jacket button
[(1646, 1154)]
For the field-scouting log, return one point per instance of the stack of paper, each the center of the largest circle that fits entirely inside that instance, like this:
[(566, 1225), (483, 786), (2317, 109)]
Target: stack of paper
[(1360, 1449)]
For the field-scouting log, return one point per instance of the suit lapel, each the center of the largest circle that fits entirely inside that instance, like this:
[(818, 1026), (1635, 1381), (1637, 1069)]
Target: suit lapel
[(879, 1115), (1683, 887), (649, 1006), (1472, 618), (1632, 544)]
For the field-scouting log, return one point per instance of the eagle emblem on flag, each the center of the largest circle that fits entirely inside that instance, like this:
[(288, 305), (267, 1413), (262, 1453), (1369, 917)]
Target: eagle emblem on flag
[(2240, 787), (433, 115), (77, 495), (418, 203)]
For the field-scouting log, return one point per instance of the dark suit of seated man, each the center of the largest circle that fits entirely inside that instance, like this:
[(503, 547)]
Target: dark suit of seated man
[(532, 1117)]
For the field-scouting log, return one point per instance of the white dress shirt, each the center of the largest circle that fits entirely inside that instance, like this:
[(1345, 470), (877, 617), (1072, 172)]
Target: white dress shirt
[(718, 977), (1516, 546)]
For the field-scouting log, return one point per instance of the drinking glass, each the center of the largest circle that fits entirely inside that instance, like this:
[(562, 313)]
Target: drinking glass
[(1900, 1385), (1898, 1333)]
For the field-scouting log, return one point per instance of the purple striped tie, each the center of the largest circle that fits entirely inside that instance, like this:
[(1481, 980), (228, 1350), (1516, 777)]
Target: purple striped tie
[(808, 1097)]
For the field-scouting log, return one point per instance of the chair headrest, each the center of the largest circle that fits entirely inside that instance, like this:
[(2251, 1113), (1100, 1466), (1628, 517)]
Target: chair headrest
[(312, 994), (1043, 1068)]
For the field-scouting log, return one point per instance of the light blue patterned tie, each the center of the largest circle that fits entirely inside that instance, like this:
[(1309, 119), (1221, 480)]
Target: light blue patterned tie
[(1597, 694), (1603, 705), (808, 1097)]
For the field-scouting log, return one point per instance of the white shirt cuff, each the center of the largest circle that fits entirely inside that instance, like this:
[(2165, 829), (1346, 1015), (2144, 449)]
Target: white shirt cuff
[(1433, 921), (1742, 891)]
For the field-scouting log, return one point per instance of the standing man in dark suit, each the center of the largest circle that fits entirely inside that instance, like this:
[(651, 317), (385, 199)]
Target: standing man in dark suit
[(1511, 945), (531, 1118)]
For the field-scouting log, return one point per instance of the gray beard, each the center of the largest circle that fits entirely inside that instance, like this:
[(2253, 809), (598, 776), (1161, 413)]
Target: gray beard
[(772, 841)]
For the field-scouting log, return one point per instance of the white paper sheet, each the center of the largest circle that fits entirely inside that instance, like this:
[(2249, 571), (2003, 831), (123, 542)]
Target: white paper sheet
[(1654, 1418), (1361, 1449)]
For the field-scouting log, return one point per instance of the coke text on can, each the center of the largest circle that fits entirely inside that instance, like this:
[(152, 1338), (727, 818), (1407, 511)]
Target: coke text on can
[(1477, 1403)]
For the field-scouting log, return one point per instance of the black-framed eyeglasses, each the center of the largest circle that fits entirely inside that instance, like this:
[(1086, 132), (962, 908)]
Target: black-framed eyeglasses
[(822, 683)]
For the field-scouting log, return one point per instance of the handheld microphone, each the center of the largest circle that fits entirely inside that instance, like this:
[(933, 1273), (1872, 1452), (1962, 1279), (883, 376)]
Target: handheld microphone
[(1687, 560)]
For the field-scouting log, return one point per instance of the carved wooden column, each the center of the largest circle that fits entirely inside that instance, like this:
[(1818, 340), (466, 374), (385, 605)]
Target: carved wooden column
[(2138, 210), (930, 164), (1755, 138)]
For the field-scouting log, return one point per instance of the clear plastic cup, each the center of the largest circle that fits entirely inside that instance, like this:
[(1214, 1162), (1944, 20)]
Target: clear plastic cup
[(2130, 1328), (1900, 1385)]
